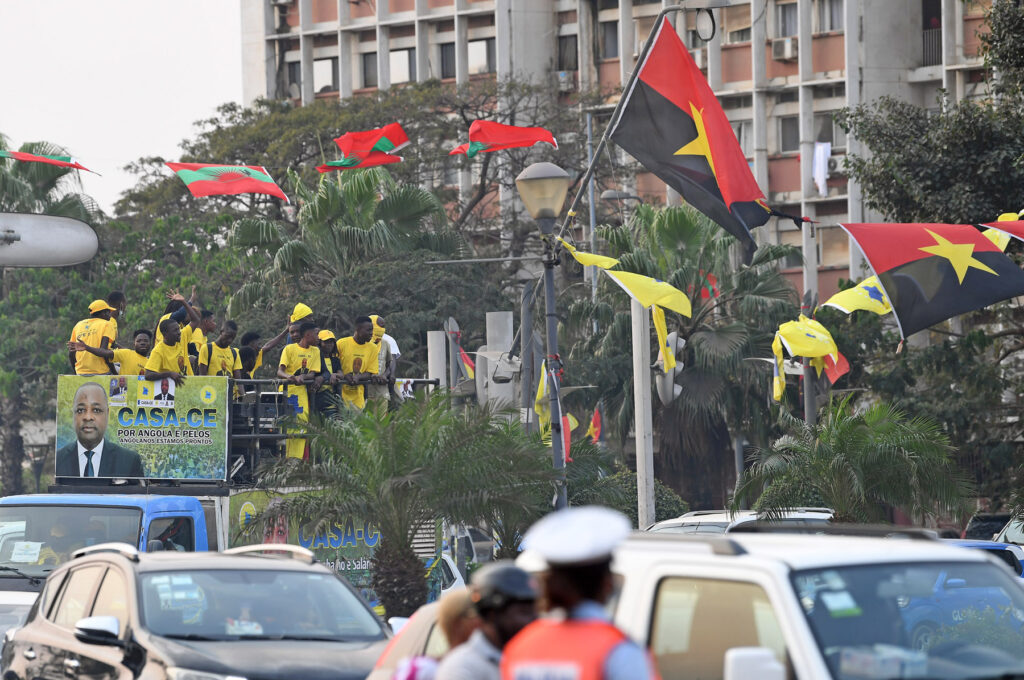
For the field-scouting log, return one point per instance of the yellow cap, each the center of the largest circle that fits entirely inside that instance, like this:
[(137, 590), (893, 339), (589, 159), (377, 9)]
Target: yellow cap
[(300, 312), (99, 306), (326, 335), (378, 328)]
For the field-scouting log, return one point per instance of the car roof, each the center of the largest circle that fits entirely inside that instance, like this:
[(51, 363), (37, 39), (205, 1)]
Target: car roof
[(99, 500), (980, 543), (172, 560), (800, 551), (729, 517)]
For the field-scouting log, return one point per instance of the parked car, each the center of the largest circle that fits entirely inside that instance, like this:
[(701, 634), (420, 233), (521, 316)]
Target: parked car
[(256, 612), (985, 526), (1013, 532), (418, 636), (815, 606), (722, 521), (1012, 555)]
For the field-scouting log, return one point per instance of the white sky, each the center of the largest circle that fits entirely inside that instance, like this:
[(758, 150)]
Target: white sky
[(115, 80)]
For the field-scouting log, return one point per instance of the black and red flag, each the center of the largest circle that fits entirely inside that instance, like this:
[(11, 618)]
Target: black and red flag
[(933, 272), (674, 126)]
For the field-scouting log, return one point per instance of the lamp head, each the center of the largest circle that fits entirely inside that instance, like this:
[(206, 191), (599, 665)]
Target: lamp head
[(543, 186)]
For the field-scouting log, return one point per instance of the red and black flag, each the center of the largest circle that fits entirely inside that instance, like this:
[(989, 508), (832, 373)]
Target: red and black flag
[(933, 272), (674, 126)]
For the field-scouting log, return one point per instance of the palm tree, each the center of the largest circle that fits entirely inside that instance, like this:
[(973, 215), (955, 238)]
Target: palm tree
[(862, 464), (407, 469), (725, 384), (45, 189), (361, 215)]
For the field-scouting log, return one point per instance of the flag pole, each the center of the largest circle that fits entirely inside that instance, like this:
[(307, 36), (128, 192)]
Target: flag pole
[(616, 114)]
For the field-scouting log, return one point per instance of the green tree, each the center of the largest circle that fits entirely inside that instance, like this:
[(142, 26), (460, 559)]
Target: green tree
[(30, 298), (725, 386), (407, 469), (861, 464)]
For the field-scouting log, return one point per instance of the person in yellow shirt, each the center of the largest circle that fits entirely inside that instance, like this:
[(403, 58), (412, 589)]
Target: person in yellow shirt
[(169, 360), (300, 367), (251, 339), (95, 331), (219, 357), (199, 332), (358, 354), (326, 397), (126, 361), (119, 302), (182, 311)]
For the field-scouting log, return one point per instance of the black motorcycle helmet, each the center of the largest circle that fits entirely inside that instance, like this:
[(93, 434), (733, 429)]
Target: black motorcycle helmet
[(498, 584)]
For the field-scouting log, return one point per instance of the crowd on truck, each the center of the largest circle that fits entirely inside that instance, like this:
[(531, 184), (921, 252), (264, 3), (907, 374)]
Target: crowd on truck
[(319, 371)]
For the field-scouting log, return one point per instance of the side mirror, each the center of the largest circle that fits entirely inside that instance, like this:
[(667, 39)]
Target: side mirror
[(954, 583), (99, 630), (753, 662)]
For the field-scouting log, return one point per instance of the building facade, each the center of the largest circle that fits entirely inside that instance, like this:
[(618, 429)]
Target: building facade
[(812, 57)]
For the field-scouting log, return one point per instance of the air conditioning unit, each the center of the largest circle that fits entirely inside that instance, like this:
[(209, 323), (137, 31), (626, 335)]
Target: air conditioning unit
[(566, 81), (836, 165), (698, 57), (785, 49)]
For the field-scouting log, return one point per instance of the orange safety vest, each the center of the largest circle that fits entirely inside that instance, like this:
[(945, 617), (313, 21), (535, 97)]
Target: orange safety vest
[(546, 650)]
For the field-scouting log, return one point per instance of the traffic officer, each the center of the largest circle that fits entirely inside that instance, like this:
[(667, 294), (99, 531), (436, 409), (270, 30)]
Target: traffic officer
[(505, 598), (577, 544)]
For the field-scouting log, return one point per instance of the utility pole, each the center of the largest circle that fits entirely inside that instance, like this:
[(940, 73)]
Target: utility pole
[(526, 370), (644, 425)]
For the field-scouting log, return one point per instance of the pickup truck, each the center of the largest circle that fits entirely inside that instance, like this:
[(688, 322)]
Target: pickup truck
[(775, 605), (39, 532)]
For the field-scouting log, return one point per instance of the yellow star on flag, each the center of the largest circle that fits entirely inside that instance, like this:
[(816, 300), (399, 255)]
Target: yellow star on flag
[(699, 146), (958, 254)]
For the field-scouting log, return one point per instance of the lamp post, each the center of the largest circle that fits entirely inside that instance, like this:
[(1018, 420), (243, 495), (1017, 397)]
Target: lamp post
[(542, 188)]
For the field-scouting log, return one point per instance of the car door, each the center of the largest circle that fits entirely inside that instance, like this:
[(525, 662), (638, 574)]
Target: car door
[(104, 662), (53, 636)]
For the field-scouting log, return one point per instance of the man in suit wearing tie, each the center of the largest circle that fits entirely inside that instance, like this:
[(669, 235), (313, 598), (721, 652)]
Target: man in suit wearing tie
[(92, 455)]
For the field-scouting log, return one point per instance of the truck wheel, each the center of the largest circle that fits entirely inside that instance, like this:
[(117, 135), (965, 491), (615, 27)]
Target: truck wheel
[(921, 637)]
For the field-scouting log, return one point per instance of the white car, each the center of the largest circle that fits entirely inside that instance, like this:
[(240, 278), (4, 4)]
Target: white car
[(790, 605), (722, 521)]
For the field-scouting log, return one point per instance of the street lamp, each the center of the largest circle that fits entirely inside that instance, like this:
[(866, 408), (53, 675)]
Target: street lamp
[(615, 195), (542, 187)]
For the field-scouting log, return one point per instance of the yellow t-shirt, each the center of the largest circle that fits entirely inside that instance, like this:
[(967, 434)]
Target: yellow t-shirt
[(195, 337), (130, 362), (186, 332), (298, 361), (350, 351), (169, 358), (113, 325), (224, 361), (91, 331)]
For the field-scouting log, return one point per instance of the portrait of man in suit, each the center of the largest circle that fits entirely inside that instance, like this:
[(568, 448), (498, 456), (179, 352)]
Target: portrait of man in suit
[(166, 392), (92, 454)]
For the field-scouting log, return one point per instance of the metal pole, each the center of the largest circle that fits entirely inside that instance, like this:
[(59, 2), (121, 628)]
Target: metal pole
[(584, 182), (436, 369), (526, 378), (553, 362), (643, 421), (810, 249), (592, 271)]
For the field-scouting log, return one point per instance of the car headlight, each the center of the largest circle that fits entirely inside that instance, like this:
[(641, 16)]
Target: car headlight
[(189, 674), (1018, 613), (902, 601)]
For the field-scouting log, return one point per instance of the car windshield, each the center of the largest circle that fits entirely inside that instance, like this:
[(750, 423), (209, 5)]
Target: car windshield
[(1013, 532), (233, 604), (695, 528), (928, 620), (12, 615), (35, 539)]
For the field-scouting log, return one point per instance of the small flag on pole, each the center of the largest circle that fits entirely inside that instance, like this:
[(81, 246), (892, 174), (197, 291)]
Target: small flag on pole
[(468, 367), (60, 161), (594, 431), (487, 135), (211, 179)]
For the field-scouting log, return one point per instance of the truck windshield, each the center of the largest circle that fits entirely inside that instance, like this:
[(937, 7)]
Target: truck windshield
[(34, 539), (932, 619), (233, 604)]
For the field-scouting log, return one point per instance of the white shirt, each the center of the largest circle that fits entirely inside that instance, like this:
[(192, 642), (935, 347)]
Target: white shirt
[(395, 353), (83, 460), (475, 659)]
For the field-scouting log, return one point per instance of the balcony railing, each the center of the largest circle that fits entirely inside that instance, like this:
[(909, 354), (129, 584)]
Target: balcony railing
[(932, 47)]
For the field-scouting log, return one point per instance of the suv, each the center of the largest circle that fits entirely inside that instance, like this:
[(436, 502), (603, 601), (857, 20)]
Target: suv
[(722, 521), (985, 526), (818, 606), (255, 612)]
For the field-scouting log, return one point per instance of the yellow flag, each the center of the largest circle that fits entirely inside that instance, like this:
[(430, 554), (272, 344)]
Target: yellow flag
[(1000, 238), (540, 402), (779, 377), (589, 259), (806, 338), (665, 352), (867, 295), (648, 291)]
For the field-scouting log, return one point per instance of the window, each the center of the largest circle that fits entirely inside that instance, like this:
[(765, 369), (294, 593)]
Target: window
[(369, 69), (697, 620), (567, 57), (830, 15), (403, 65), (174, 533), (481, 56), (744, 131), (827, 130), (112, 598), (325, 75), (785, 24), (789, 134), (787, 96), (294, 85), (447, 60), (75, 598), (609, 39), (742, 35)]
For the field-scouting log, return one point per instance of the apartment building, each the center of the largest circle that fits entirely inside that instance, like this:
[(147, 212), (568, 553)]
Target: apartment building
[(812, 58)]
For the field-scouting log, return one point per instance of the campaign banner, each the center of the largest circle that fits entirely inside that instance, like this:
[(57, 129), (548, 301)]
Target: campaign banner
[(125, 426)]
